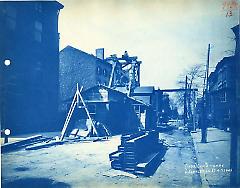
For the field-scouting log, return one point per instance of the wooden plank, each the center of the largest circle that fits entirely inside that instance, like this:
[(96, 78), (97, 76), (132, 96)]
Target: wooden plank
[(19, 144), (150, 164)]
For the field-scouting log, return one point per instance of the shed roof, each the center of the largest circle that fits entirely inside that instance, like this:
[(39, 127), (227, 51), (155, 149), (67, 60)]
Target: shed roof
[(119, 92), (137, 101)]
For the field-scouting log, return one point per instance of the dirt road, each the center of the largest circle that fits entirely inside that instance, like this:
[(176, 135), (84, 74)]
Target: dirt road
[(87, 165)]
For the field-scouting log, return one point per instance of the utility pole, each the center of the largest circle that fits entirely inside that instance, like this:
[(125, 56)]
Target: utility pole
[(185, 103), (205, 102), (194, 111), (207, 68)]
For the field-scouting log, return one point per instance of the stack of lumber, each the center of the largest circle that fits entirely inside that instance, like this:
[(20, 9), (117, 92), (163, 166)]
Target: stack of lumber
[(117, 157), (138, 153)]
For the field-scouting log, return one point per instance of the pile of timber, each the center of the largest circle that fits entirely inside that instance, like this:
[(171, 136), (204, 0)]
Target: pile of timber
[(139, 153), (23, 143)]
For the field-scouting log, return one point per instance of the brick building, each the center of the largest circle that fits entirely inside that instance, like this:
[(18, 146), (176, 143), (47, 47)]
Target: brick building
[(80, 67), (235, 137), (222, 89), (222, 93), (29, 38), (88, 71)]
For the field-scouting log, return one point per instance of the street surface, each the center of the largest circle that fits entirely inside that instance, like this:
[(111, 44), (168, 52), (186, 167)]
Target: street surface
[(87, 165)]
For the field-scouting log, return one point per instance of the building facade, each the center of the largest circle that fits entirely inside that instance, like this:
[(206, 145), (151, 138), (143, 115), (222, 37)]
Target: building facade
[(224, 90), (235, 137), (29, 85), (80, 67), (222, 93), (88, 71)]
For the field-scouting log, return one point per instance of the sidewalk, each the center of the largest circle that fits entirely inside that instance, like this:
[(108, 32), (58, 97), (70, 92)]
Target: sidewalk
[(213, 157)]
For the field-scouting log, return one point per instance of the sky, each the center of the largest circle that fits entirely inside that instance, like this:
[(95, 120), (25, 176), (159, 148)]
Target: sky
[(168, 36)]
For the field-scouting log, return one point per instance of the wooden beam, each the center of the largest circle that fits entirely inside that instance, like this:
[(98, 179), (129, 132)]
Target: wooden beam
[(177, 90)]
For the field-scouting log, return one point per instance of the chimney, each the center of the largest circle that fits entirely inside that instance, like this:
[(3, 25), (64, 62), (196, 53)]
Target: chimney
[(100, 53)]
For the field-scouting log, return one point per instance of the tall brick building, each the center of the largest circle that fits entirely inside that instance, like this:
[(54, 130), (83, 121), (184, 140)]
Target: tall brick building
[(29, 38)]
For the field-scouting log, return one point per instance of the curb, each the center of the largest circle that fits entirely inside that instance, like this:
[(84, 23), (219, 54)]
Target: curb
[(202, 174)]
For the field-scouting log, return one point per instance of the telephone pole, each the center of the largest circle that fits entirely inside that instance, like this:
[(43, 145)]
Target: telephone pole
[(205, 102), (207, 68), (185, 103)]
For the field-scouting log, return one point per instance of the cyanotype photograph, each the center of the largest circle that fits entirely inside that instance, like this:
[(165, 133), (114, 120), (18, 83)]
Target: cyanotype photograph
[(120, 93)]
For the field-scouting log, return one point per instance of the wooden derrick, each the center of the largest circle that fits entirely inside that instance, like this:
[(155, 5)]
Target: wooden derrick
[(77, 99)]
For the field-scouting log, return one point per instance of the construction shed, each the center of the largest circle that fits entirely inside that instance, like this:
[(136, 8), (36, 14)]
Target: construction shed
[(118, 113)]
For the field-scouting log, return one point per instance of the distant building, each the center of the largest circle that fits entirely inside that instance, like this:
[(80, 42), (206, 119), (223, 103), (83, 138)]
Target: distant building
[(29, 85)]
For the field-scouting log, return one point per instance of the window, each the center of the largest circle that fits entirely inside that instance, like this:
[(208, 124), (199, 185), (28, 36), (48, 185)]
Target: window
[(38, 25), (226, 114), (220, 85), (224, 74), (38, 31), (137, 109), (11, 14), (99, 70), (220, 76), (224, 78), (104, 72), (38, 7), (223, 96), (38, 66), (224, 84), (99, 81)]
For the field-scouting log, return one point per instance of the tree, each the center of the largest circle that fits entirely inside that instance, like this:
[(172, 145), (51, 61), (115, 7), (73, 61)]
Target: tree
[(195, 79), (166, 110)]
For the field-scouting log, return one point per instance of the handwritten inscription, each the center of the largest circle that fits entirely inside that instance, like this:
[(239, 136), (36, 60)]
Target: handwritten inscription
[(206, 168), (229, 6)]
